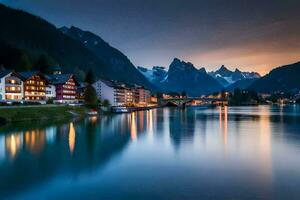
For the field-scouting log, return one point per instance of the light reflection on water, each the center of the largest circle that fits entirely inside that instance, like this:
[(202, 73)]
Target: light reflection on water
[(222, 153)]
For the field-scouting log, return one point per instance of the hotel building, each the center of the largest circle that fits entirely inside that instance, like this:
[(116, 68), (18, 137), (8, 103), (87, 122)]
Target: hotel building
[(11, 86), (34, 86), (65, 87), (119, 94)]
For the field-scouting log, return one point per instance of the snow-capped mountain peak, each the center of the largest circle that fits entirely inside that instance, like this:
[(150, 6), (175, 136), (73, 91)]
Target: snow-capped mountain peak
[(227, 77)]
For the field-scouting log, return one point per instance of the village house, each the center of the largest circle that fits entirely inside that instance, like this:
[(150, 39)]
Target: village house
[(65, 87), (34, 85), (11, 86)]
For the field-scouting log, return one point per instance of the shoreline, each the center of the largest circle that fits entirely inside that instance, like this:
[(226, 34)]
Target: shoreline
[(32, 113)]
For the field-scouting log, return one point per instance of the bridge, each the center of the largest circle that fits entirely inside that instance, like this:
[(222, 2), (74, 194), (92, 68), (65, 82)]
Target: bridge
[(182, 102)]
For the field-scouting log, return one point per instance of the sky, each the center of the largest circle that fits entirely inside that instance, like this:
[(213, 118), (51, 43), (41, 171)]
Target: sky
[(252, 35)]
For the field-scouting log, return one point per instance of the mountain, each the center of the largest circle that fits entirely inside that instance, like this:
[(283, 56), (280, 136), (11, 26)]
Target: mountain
[(241, 84), (119, 65), (33, 36), (24, 38), (183, 76), (227, 77), (157, 75), (285, 78)]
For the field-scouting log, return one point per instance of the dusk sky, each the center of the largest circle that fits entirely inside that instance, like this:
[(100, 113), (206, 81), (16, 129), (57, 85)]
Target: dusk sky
[(253, 35)]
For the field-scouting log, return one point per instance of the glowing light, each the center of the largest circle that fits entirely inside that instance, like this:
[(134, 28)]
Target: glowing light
[(72, 138), (93, 119), (133, 132), (225, 125), (13, 144), (150, 121)]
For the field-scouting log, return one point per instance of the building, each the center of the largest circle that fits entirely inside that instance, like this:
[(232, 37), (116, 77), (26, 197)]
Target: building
[(114, 92), (80, 91), (50, 91), (142, 96), (34, 85), (56, 70), (11, 86), (65, 87), (106, 90), (120, 94)]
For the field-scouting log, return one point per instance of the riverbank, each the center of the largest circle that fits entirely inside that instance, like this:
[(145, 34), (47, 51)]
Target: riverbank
[(19, 114)]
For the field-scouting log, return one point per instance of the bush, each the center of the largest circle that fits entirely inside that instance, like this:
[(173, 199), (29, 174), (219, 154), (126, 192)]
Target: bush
[(29, 103), (16, 103), (105, 103), (50, 101), (3, 104)]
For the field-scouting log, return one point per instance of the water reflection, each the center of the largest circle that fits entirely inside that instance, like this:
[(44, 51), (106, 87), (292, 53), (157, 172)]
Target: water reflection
[(13, 144), (72, 137), (237, 153), (133, 131), (223, 118)]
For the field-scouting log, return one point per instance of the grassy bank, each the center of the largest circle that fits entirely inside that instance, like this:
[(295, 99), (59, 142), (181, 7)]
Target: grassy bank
[(18, 114)]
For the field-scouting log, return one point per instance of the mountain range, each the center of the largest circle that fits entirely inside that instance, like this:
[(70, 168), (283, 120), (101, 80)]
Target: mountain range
[(285, 78), (183, 76), (227, 77), (119, 65), (25, 37)]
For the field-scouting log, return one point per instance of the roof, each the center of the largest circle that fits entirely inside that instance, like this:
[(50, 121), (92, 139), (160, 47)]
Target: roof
[(108, 83), (4, 73), (119, 85), (56, 68), (57, 79), (26, 75)]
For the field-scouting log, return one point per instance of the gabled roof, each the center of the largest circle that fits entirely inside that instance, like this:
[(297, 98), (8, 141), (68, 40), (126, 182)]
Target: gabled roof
[(4, 73), (56, 68), (26, 75), (57, 79)]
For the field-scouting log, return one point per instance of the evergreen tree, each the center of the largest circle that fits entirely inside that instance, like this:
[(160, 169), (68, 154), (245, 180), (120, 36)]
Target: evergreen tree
[(89, 78), (24, 63), (42, 64), (90, 96)]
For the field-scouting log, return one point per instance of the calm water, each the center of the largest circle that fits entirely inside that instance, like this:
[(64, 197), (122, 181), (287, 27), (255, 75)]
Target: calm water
[(222, 153)]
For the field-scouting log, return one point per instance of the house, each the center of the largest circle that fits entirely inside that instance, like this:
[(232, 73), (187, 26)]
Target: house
[(65, 87), (34, 85), (50, 91), (11, 86)]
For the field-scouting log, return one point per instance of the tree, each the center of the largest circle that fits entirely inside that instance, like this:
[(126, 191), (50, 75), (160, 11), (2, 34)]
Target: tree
[(89, 78), (105, 103), (24, 63), (42, 64), (90, 96)]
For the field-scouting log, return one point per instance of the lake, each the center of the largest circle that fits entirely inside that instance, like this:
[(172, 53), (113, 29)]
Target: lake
[(219, 153)]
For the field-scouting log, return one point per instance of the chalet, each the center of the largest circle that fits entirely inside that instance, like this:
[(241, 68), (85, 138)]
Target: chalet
[(65, 87), (34, 85), (11, 86)]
